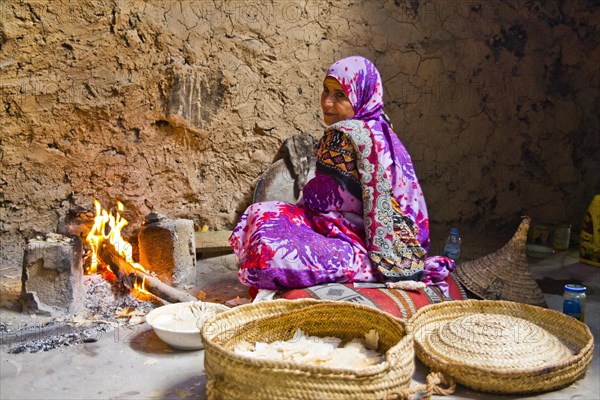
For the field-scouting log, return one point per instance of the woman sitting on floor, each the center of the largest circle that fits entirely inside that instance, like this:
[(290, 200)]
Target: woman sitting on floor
[(362, 218)]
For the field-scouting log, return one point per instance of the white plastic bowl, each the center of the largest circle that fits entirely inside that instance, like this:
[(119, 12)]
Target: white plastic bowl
[(184, 335)]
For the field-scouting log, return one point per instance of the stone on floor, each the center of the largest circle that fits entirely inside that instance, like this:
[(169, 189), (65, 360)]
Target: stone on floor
[(52, 277)]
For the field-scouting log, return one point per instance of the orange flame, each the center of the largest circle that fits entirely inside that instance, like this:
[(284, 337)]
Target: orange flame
[(140, 290), (108, 227)]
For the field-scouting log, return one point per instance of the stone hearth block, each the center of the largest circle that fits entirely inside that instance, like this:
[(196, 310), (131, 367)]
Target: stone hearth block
[(168, 248), (52, 279)]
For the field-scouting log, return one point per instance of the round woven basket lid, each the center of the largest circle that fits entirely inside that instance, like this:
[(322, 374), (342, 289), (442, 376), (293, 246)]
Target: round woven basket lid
[(504, 274), (502, 346), (495, 341)]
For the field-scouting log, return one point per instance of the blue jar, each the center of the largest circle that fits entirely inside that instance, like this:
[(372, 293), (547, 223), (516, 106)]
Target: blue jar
[(574, 301)]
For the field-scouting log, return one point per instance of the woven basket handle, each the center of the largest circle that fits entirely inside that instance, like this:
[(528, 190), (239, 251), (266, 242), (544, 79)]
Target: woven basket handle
[(431, 387)]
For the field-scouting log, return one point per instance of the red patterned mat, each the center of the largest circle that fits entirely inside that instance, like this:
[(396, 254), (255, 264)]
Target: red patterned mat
[(400, 303)]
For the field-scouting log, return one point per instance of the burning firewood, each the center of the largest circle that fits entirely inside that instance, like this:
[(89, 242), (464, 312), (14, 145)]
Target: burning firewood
[(131, 275), (108, 245)]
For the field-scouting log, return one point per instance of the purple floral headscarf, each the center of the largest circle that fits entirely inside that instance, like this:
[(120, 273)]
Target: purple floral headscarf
[(362, 84)]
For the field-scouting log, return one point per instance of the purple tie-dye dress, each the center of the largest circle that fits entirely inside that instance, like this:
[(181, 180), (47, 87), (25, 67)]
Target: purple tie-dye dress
[(333, 233)]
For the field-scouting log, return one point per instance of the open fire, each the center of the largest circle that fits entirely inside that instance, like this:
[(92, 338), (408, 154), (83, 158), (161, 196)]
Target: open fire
[(124, 278), (107, 231), (117, 289), (114, 255)]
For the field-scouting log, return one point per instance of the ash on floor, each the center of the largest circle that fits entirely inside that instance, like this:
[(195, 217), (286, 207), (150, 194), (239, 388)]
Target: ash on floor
[(108, 306)]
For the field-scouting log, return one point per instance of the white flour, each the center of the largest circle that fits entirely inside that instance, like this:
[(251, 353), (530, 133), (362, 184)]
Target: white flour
[(189, 318)]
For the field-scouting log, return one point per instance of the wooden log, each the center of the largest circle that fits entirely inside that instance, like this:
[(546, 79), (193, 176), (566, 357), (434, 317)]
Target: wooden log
[(152, 284)]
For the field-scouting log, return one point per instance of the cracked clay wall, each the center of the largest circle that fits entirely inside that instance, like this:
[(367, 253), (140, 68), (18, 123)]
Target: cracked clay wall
[(178, 106)]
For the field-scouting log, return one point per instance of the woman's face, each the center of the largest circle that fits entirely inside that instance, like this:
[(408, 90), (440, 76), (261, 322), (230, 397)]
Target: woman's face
[(335, 104)]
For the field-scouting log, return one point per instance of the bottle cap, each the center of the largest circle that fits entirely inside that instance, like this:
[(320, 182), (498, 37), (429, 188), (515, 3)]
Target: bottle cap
[(454, 231), (574, 288)]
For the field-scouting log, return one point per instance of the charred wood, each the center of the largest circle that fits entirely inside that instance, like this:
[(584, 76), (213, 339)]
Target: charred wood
[(129, 274)]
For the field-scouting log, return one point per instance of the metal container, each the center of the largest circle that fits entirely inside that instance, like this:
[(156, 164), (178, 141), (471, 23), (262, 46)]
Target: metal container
[(541, 234), (561, 238)]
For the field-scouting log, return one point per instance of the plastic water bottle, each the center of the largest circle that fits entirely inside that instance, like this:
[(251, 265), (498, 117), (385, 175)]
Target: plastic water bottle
[(452, 246)]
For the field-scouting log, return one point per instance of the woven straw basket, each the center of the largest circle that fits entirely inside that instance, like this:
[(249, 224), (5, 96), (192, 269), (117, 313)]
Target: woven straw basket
[(503, 274), (233, 376), (501, 346)]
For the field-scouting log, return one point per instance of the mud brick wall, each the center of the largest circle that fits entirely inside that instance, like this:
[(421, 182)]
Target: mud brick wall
[(178, 106)]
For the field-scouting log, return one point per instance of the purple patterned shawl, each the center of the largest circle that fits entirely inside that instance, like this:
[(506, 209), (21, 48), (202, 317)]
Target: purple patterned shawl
[(363, 86)]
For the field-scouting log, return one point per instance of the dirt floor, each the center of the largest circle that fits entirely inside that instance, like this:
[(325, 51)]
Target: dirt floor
[(116, 355)]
